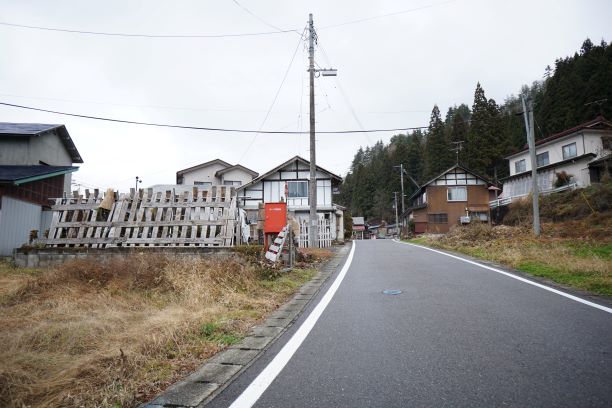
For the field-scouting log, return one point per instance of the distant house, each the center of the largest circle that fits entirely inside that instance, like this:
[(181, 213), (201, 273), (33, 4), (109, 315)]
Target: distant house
[(359, 228), (288, 182), (215, 172), (455, 196), (35, 166), (583, 153)]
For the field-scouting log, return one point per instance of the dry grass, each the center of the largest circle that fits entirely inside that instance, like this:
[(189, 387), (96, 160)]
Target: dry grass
[(115, 334), (577, 253)]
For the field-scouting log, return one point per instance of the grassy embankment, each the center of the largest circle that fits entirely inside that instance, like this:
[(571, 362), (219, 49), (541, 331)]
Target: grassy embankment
[(115, 334), (575, 247)]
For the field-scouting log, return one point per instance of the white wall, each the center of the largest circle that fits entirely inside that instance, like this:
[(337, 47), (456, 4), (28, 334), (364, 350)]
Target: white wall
[(237, 175), (206, 175), (587, 141)]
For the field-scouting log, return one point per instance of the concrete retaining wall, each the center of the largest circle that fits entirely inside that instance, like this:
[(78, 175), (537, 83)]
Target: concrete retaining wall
[(45, 257)]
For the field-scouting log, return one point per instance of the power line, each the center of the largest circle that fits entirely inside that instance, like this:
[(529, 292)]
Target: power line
[(276, 95), (186, 108), (257, 17), (110, 34), (396, 13), (226, 35), (212, 129)]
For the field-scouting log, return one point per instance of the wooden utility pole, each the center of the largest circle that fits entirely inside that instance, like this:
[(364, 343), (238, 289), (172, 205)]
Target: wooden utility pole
[(312, 183), (401, 167), (529, 128), (396, 217)]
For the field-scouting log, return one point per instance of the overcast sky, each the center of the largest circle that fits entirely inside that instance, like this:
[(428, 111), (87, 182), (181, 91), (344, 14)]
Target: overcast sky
[(391, 71)]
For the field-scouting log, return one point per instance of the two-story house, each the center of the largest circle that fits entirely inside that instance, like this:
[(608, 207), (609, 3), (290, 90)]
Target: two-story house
[(215, 172), (288, 183), (35, 166), (580, 153), (456, 196)]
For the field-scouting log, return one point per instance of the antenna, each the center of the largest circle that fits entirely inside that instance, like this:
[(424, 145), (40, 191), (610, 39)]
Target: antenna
[(458, 147)]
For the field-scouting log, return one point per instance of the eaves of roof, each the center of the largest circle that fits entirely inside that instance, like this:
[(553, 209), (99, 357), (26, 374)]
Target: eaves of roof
[(17, 175), (550, 166), (280, 166), (202, 165), (599, 120)]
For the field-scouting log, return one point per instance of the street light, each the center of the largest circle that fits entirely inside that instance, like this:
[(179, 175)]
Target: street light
[(138, 180)]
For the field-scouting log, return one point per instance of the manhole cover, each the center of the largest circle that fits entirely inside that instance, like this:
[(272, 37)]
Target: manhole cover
[(391, 291)]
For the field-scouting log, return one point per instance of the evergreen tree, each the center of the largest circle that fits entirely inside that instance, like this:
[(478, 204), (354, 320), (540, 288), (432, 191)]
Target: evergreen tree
[(484, 135), (438, 155)]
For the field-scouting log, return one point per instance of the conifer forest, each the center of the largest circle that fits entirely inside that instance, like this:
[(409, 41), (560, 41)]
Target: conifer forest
[(575, 89)]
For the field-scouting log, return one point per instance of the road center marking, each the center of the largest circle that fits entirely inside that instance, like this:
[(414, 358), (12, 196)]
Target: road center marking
[(251, 394), (539, 285)]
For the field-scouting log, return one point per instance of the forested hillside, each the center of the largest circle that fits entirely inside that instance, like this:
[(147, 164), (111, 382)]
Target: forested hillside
[(576, 90)]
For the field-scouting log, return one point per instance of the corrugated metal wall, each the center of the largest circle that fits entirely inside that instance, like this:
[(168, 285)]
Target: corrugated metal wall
[(17, 219)]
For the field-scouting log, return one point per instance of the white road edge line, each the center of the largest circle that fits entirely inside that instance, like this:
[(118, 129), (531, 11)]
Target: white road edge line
[(259, 385), (539, 285)]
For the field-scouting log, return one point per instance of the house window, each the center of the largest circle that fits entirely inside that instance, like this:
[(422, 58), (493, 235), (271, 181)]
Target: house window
[(569, 151), (480, 215), (438, 218), (204, 184), (457, 194), (542, 159), (520, 166), (297, 189), (231, 183)]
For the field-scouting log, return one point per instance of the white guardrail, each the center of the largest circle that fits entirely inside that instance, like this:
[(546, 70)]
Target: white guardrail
[(505, 201)]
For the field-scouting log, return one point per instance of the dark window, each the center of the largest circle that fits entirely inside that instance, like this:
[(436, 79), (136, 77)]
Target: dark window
[(204, 184), (542, 159), (520, 166), (569, 151), (231, 183), (297, 189), (438, 218)]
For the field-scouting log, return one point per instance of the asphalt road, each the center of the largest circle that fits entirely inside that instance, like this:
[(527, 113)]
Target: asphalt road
[(457, 336)]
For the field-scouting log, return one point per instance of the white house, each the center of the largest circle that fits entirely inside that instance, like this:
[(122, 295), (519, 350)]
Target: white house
[(288, 182), (215, 172), (581, 152), (35, 166)]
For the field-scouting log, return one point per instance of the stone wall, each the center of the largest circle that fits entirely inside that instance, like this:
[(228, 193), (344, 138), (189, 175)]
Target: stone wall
[(45, 257)]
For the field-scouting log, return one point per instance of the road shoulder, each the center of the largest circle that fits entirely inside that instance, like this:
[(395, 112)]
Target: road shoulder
[(219, 371)]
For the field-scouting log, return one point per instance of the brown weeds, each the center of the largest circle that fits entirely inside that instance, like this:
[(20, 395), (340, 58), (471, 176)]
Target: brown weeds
[(116, 333)]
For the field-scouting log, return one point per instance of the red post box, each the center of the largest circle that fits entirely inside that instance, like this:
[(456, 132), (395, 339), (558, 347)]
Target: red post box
[(276, 217)]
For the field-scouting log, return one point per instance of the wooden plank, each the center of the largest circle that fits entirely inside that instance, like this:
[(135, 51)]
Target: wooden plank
[(208, 241)]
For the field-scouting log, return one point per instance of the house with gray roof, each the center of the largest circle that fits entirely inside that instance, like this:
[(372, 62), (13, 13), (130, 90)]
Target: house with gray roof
[(36, 163)]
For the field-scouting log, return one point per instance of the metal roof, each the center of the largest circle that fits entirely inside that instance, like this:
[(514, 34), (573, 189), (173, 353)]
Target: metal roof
[(598, 123), (8, 129), (24, 174), (358, 221)]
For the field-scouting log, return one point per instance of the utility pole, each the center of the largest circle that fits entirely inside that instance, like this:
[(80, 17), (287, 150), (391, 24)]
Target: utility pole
[(312, 184), (396, 218), (529, 128), (401, 167), (458, 147)]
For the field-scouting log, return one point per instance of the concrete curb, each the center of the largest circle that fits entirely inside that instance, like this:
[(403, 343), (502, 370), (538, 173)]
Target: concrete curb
[(216, 373)]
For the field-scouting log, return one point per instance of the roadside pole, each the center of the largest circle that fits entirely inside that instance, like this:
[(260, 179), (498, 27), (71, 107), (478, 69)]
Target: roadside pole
[(529, 128), (396, 217), (312, 183)]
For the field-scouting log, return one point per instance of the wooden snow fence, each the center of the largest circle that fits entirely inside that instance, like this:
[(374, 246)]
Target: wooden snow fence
[(197, 218)]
